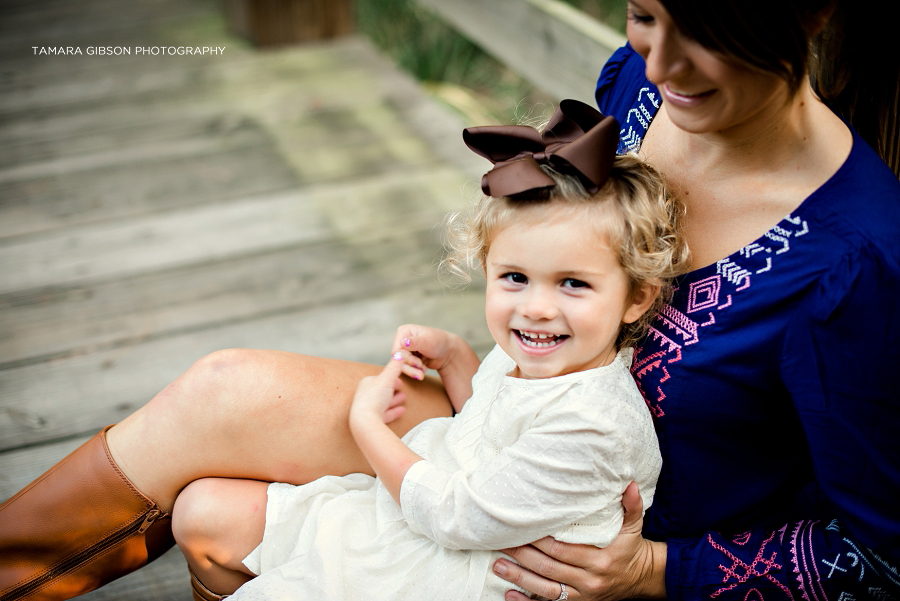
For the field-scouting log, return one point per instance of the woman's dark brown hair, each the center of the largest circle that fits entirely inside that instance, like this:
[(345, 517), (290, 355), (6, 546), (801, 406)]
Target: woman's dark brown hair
[(849, 54)]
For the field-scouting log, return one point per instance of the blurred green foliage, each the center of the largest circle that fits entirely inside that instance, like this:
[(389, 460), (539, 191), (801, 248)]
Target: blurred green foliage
[(455, 69), (611, 12)]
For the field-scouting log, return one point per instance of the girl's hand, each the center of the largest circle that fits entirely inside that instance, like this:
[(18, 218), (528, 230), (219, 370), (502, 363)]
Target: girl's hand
[(379, 401), (631, 566), (435, 348), (444, 351), (379, 397)]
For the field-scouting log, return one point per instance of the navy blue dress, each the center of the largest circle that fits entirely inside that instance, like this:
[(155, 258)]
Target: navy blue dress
[(773, 380)]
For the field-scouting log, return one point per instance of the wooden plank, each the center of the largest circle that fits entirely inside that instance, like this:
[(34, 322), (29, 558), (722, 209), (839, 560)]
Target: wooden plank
[(166, 579), (308, 71), (105, 193), (66, 321), (65, 397), (393, 202), (92, 22), (556, 47), (19, 468)]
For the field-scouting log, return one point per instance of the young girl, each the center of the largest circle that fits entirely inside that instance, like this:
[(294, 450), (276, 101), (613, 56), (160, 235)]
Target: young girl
[(577, 246)]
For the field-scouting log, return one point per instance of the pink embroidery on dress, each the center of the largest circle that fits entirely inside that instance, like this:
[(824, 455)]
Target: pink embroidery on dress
[(734, 273), (740, 572), (804, 561), (704, 293), (641, 367), (683, 325), (673, 329), (742, 539)]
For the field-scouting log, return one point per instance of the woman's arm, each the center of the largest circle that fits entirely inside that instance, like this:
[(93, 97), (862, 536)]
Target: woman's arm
[(803, 560), (630, 567)]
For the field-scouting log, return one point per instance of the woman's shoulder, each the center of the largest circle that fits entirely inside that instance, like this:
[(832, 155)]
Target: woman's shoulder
[(624, 92), (860, 203)]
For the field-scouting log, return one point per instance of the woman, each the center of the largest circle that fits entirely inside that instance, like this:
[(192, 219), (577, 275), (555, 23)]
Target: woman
[(761, 427), (768, 375)]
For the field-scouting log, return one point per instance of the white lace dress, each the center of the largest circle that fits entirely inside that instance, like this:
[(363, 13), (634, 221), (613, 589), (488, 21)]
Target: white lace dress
[(523, 459)]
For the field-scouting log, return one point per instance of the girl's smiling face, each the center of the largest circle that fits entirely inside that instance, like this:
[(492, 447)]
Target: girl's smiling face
[(556, 292), (702, 90)]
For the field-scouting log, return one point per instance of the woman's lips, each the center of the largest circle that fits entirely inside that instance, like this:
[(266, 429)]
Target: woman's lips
[(684, 99)]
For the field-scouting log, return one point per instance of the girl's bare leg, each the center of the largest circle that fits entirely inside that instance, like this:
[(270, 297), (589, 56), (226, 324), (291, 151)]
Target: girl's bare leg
[(217, 522), (262, 415)]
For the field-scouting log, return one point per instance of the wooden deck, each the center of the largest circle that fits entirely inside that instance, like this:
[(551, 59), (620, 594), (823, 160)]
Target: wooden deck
[(156, 208)]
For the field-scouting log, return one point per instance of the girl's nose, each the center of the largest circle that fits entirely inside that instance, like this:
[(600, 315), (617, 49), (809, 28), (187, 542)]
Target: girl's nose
[(538, 306)]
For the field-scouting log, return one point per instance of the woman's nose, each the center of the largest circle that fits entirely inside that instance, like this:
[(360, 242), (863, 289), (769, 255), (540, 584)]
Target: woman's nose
[(666, 58)]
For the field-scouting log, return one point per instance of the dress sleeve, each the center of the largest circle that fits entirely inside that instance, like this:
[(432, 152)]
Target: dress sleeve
[(562, 469), (808, 560), (606, 82), (838, 364)]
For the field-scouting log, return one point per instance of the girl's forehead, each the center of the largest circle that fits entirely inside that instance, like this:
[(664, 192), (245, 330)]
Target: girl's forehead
[(561, 233), (589, 219)]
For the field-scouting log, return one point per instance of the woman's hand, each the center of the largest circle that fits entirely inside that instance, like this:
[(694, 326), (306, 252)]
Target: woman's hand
[(631, 566), (443, 351)]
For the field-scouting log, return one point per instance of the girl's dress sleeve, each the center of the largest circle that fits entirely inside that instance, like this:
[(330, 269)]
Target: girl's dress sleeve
[(567, 466), (839, 363)]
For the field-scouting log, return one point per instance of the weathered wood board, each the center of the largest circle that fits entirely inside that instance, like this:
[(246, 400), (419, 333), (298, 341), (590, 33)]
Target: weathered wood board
[(556, 47), (156, 208)]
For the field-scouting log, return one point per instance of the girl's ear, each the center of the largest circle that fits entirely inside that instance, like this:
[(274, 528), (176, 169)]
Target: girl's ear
[(641, 301)]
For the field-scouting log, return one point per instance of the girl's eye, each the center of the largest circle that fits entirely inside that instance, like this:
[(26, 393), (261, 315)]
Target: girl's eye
[(573, 283), (515, 278)]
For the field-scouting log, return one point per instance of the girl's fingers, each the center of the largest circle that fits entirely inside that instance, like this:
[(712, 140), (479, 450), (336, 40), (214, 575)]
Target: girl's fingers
[(411, 365), (393, 369), (394, 413)]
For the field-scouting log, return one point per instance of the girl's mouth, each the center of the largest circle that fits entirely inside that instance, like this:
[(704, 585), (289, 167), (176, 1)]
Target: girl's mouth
[(539, 340)]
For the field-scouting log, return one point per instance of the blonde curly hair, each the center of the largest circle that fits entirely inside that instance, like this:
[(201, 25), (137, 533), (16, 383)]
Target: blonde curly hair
[(634, 209)]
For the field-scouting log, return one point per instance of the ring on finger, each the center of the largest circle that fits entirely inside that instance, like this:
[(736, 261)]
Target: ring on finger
[(563, 593)]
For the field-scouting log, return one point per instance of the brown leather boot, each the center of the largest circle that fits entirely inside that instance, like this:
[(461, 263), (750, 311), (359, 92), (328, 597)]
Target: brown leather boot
[(79, 526), (201, 593)]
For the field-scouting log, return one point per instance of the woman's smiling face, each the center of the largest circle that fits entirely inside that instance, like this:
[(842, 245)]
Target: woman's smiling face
[(703, 91)]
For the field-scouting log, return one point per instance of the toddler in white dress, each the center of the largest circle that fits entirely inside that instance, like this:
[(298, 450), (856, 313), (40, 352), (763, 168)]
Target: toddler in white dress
[(578, 247)]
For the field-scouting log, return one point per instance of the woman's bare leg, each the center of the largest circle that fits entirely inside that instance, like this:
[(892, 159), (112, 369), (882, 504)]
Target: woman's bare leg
[(262, 415), (217, 522)]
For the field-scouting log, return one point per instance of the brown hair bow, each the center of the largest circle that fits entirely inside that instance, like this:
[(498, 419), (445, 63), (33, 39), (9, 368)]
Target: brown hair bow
[(578, 141)]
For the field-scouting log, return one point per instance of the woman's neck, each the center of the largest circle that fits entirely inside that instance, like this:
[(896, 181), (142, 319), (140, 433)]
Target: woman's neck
[(737, 184), (779, 135)]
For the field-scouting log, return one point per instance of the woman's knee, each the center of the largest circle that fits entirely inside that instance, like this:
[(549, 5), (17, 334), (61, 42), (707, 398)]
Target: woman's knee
[(220, 519), (194, 517), (226, 383)]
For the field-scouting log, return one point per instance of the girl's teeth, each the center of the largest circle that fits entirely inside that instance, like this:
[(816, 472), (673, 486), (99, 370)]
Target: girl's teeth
[(534, 340)]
